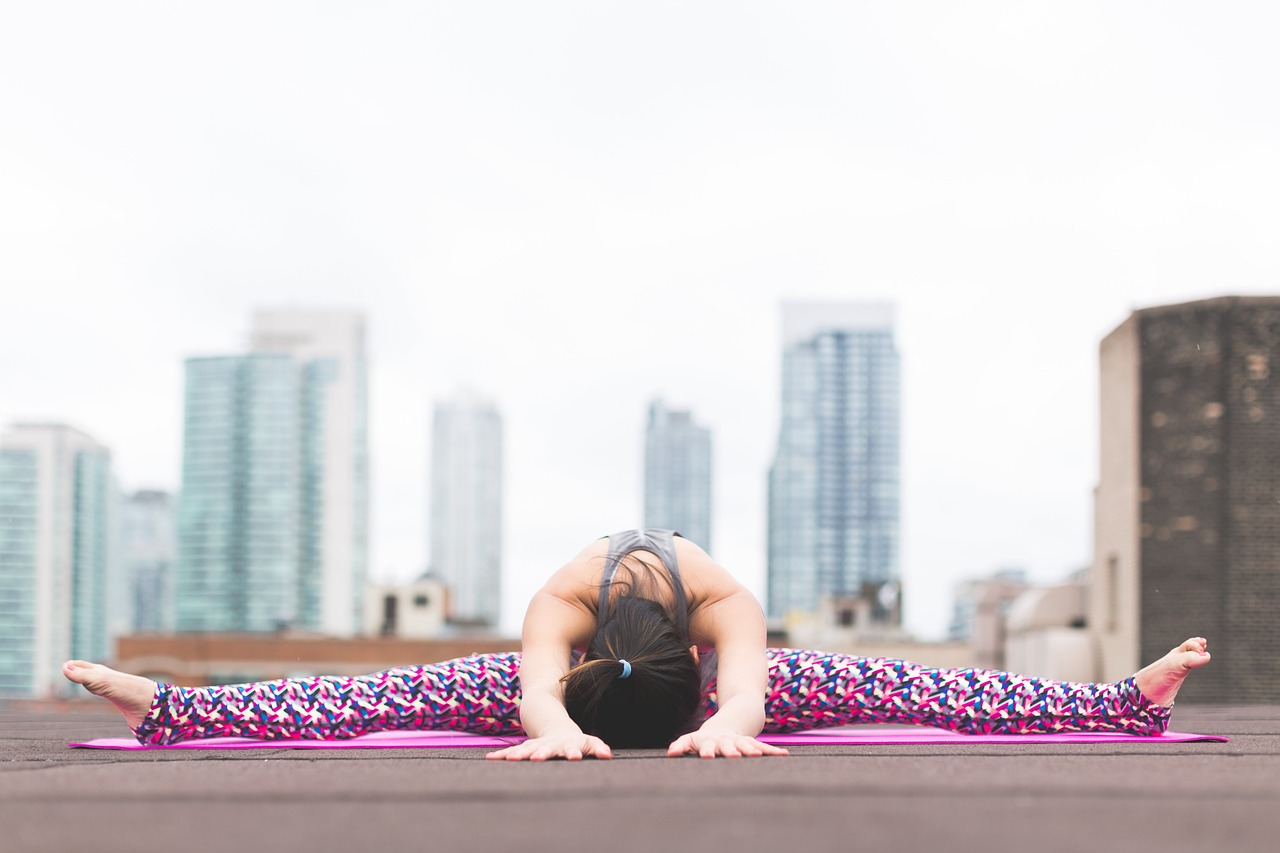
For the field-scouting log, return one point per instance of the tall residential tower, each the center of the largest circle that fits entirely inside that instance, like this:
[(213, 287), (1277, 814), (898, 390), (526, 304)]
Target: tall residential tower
[(677, 474), (273, 518), (466, 507), (833, 486), (57, 499), (328, 348)]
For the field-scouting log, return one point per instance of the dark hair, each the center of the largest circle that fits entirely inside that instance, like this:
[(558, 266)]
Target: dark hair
[(656, 703)]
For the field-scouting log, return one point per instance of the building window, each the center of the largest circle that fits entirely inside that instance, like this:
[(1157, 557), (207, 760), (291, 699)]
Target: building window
[(389, 615), (1257, 366)]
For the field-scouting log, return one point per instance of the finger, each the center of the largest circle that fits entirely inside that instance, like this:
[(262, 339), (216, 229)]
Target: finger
[(542, 753), (770, 749), (680, 747), (511, 753), (506, 751), (599, 748), (708, 750), (519, 753), (730, 750)]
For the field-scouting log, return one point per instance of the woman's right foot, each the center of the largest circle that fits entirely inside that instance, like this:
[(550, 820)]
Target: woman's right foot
[(131, 694), (1160, 681)]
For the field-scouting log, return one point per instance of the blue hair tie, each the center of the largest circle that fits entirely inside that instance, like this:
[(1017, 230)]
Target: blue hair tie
[(626, 668)]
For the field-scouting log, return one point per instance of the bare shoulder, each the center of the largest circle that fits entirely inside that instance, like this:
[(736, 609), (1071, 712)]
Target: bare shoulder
[(561, 614), (578, 581), (723, 613), (705, 580)]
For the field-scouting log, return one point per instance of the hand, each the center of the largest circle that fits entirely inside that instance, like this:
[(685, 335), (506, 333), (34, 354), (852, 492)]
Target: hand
[(726, 744), (569, 745)]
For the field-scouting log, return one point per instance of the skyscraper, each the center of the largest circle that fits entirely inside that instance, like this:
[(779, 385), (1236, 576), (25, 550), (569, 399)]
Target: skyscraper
[(466, 506), (57, 497), (677, 474), (273, 519), (328, 348), (238, 566), (833, 486), (148, 549), (1187, 512)]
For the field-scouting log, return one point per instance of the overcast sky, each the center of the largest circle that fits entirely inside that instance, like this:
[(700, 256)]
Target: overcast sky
[(575, 207)]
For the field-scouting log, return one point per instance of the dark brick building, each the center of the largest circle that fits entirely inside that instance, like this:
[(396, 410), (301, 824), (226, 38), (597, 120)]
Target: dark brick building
[(1188, 500)]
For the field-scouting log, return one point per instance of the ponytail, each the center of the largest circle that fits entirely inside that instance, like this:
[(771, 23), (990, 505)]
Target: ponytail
[(638, 684)]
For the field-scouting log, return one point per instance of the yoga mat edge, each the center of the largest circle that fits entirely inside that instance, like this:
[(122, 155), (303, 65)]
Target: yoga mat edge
[(816, 737)]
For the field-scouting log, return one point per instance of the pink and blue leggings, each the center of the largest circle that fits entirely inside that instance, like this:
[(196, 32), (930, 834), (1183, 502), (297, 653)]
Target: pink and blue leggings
[(806, 690)]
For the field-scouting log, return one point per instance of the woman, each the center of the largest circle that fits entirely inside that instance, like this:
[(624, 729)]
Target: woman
[(644, 640)]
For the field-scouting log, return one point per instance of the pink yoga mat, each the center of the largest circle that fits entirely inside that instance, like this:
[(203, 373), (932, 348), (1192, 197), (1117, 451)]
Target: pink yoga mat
[(852, 736)]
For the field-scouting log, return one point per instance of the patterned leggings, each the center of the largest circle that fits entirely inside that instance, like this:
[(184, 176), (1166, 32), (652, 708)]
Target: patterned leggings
[(806, 690)]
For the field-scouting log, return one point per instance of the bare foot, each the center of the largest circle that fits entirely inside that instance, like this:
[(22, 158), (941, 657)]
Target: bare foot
[(131, 694), (1160, 681)]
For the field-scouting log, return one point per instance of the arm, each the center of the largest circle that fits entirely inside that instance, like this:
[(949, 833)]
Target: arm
[(555, 621), (732, 621)]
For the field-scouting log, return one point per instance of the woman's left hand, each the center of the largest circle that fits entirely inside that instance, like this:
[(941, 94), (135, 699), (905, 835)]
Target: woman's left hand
[(721, 744)]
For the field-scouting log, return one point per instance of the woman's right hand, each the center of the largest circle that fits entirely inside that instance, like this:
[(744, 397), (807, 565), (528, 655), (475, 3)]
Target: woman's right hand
[(568, 745)]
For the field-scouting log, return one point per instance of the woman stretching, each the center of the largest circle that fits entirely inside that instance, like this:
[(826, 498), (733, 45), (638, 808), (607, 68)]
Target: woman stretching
[(642, 640)]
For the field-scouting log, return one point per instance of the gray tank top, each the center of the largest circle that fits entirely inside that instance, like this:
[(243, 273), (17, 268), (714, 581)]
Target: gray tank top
[(659, 542)]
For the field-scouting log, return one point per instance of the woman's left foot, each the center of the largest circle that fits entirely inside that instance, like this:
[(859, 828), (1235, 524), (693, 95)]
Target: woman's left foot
[(131, 694), (1160, 681)]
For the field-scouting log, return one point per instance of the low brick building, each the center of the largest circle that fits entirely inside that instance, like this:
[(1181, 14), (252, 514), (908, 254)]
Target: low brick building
[(1188, 498), (196, 659)]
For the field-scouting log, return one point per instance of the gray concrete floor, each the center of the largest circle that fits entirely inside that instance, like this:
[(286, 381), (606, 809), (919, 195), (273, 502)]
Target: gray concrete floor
[(1202, 797)]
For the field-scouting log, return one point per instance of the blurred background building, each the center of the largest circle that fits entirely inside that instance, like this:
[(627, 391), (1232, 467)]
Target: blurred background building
[(1187, 510), (677, 474), (58, 498), (833, 486), (466, 506), (329, 353), (980, 614), (238, 567), (148, 551), (1046, 632), (273, 518), (414, 611)]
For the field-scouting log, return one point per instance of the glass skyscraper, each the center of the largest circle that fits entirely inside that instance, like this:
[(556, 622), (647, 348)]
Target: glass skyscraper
[(273, 517), (57, 502), (833, 486), (466, 507), (328, 348), (677, 474), (238, 515), (148, 549)]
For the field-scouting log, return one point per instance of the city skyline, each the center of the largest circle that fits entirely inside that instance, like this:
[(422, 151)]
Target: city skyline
[(524, 201)]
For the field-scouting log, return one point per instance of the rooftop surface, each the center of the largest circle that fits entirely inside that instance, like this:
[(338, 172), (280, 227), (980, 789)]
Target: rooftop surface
[(1035, 797)]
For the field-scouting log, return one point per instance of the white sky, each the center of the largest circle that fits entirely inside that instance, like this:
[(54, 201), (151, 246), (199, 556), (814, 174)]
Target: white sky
[(573, 207)]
